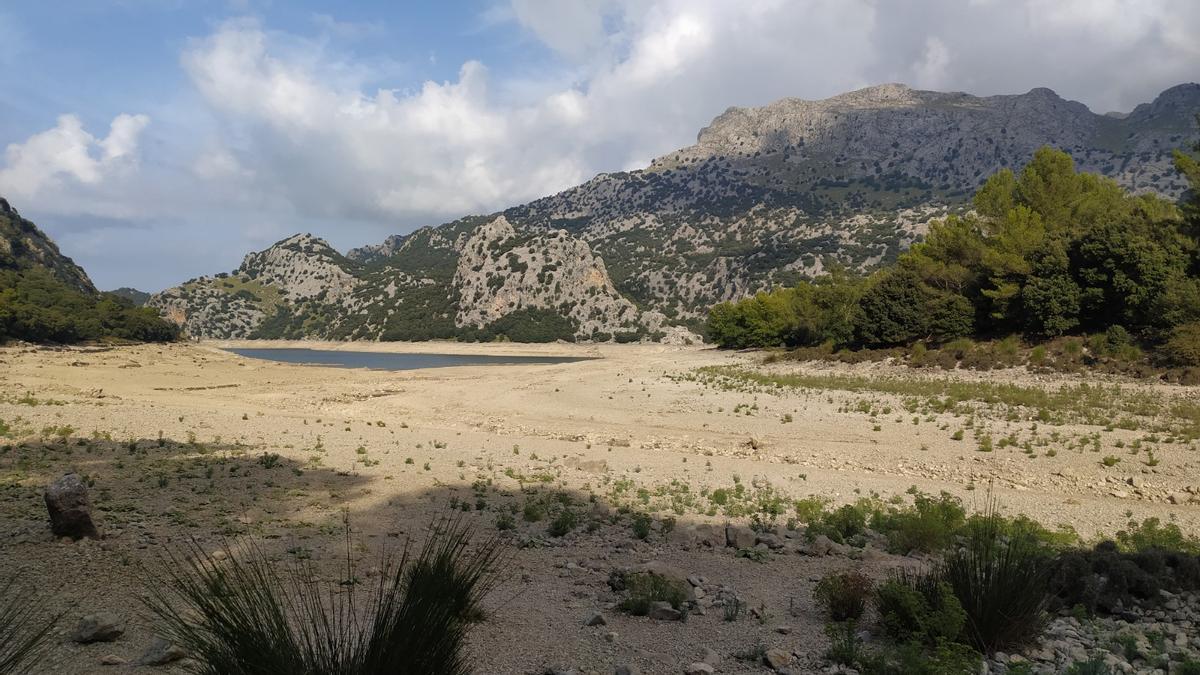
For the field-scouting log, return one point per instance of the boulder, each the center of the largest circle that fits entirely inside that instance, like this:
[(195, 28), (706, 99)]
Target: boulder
[(70, 508), (596, 619), (739, 536), (699, 668), (661, 610), (672, 574), (711, 535), (778, 659), (98, 627)]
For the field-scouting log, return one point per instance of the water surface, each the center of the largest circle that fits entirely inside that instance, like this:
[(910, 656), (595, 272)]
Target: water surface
[(391, 360)]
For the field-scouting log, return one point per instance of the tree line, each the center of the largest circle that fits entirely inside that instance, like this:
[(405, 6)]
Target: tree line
[(1046, 252)]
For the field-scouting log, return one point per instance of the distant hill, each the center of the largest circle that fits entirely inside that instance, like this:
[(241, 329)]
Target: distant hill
[(138, 298), (765, 196)]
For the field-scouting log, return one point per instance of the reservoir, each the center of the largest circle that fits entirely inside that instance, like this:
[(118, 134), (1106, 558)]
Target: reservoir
[(393, 360)]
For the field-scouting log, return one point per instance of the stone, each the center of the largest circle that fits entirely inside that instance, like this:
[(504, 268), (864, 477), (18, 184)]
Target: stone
[(739, 536), (819, 546), (710, 535), (627, 669), (161, 653), (770, 540), (663, 611), (98, 627), (710, 657), (778, 658), (70, 508), (596, 619), (699, 668), (112, 660), (1179, 498)]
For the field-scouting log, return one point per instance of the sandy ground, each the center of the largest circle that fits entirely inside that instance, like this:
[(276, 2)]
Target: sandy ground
[(174, 438)]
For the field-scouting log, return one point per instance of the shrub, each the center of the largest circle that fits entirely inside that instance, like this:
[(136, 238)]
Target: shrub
[(844, 646), (1152, 534), (641, 525), (250, 615), (1001, 580), (564, 522), (843, 523), (914, 658), (25, 628), (644, 589), (1183, 347), (843, 595), (930, 525), (919, 606)]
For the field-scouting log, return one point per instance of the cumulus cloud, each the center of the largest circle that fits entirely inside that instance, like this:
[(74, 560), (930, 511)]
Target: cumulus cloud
[(67, 157), (295, 138)]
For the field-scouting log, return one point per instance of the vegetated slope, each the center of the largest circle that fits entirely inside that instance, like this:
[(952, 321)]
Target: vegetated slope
[(766, 196), (44, 296), (133, 295), (23, 247)]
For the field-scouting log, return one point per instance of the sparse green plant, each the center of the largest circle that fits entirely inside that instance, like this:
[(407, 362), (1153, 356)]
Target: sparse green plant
[(26, 628), (843, 595), (248, 614)]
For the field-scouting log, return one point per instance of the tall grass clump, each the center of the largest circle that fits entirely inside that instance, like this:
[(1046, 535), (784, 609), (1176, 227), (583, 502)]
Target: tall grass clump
[(1001, 578), (25, 628), (251, 615)]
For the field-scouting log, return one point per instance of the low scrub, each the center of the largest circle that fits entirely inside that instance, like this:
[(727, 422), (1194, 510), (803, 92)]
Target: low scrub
[(26, 629), (248, 614), (843, 595), (643, 589)]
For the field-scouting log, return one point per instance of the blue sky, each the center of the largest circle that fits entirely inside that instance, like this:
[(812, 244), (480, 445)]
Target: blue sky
[(157, 140)]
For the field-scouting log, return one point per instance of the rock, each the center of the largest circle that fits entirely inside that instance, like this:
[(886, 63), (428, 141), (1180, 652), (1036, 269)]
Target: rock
[(596, 619), (710, 535), (711, 657), (783, 630), (663, 611), (161, 653), (98, 627), (820, 546), (778, 658), (699, 668), (627, 669), (770, 540), (1179, 498), (112, 660), (739, 536), (70, 508)]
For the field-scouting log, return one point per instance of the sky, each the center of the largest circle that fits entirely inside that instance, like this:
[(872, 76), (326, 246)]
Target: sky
[(159, 140)]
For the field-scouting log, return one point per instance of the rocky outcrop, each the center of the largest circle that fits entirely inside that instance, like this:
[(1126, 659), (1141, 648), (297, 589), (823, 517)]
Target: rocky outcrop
[(500, 272)]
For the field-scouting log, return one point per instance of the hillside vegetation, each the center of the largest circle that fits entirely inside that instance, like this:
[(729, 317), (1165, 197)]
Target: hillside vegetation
[(1045, 253), (46, 297)]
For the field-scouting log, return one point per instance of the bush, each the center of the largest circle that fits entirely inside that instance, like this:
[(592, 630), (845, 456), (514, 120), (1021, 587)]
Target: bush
[(843, 595), (1001, 579), (919, 606), (250, 615), (645, 588), (914, 658), (1151, 534), (843, 523), (929, 526), (25, 628), (564, 522)]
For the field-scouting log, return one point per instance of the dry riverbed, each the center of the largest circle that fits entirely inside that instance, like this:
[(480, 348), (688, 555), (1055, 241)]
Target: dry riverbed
[(188, 441)]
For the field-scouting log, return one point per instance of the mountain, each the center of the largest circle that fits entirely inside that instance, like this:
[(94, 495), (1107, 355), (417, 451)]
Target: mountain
[(45, 297), (765, 196), (23, 247), (138, 298)]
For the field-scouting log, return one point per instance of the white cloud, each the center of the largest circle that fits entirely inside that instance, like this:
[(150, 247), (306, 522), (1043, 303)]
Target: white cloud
[(282, 132), (66, 157)]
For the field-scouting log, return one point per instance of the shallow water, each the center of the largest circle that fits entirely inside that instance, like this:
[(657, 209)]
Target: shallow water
[(391, 360)]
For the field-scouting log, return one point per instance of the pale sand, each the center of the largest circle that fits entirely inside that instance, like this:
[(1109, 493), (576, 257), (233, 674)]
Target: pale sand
[(622, 409)]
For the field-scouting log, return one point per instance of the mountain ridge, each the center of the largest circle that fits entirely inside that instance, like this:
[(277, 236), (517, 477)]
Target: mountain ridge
[(765, 196)]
